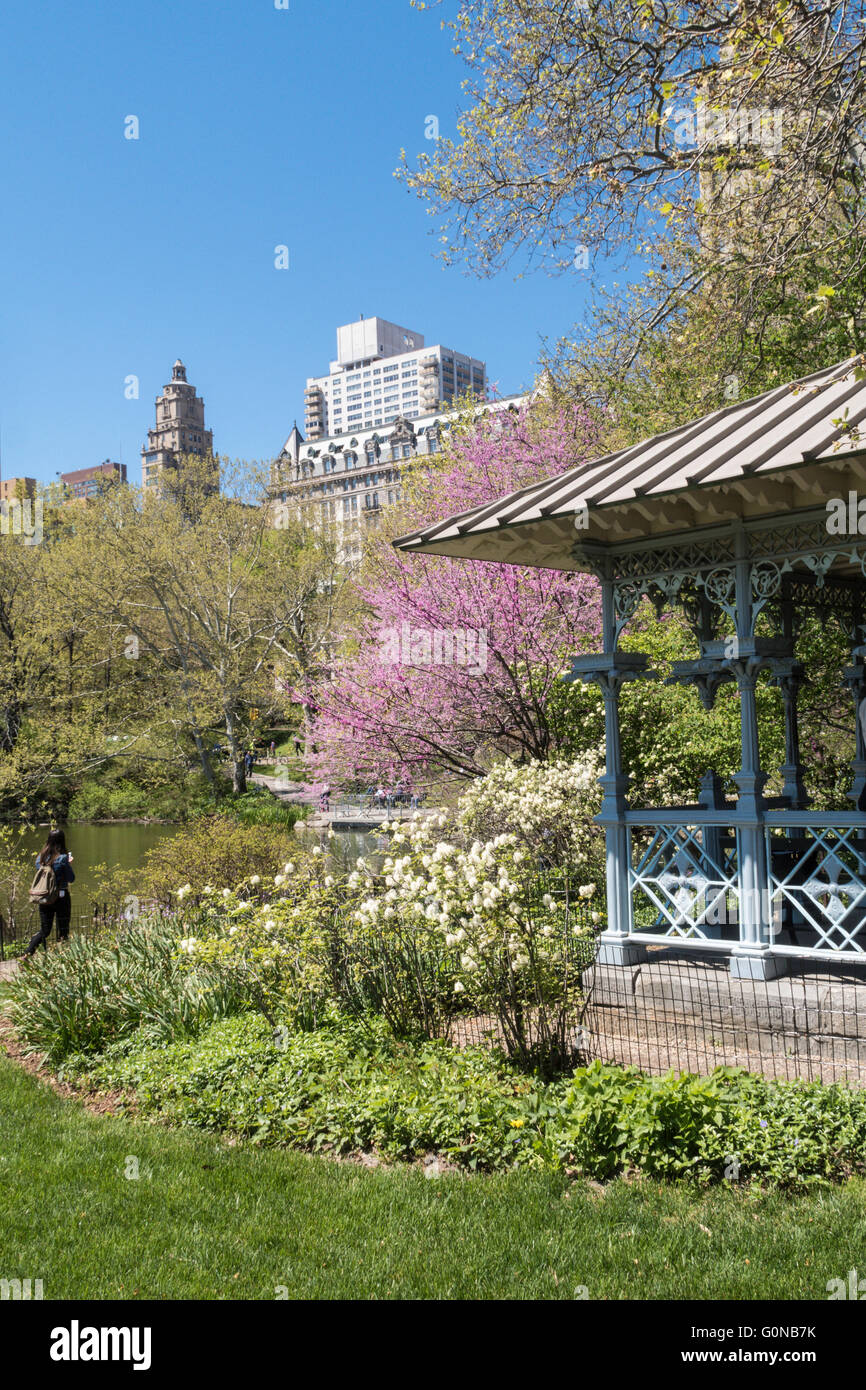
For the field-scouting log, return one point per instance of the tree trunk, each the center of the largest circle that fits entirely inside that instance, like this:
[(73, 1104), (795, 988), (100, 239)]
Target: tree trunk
[(239, 776)]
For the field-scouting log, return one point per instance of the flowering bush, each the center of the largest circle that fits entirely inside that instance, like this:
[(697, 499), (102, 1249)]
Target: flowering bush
[(445, 925), (515, 949), (275, 935), (549, 806)]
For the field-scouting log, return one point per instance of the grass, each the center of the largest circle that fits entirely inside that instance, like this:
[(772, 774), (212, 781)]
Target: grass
[(206, 1220)]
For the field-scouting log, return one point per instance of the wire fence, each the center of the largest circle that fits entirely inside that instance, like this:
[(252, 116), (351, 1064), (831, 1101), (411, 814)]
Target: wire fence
[(17, 928), (684, 1011)]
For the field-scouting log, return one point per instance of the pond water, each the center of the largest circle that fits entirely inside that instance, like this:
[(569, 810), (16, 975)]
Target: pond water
[(124, 846), (121, 846)]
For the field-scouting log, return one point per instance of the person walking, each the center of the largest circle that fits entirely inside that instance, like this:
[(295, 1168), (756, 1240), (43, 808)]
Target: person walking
[(50, 890)]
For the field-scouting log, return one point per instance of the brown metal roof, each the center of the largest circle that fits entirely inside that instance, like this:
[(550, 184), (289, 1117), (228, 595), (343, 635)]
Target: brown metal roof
[(791, 448)]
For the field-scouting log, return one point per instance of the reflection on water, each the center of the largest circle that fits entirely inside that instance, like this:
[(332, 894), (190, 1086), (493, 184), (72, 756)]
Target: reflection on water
[(346, 846)]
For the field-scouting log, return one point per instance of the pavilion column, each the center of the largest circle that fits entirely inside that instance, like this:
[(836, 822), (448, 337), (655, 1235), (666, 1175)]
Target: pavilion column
[(793, 786), (608, 670), (854, 677), (750, 958)]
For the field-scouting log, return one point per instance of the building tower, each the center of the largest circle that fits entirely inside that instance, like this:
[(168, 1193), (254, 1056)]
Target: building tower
[(180, 428)]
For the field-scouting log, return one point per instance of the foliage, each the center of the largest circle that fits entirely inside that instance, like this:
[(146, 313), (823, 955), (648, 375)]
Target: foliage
[(184, 615), (550, 807), (592, 130), (349, 1086), (212, 849), (89, 994), (443, 927), (521, 949), (396, 703)]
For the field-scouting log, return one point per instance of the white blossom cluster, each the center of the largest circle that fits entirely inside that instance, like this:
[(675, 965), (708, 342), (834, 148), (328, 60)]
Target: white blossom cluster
[(482, 901), (545, 804)]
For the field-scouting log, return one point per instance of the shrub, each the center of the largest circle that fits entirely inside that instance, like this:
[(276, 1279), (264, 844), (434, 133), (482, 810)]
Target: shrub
[(352, 1085), (86, 995), (214, 850), (519, 936), (549, 806)]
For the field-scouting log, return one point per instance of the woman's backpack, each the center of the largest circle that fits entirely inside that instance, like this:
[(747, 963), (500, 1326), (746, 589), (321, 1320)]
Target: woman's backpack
[(44, 890)]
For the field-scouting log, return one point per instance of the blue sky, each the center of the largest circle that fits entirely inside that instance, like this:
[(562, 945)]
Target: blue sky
[(258, 127)]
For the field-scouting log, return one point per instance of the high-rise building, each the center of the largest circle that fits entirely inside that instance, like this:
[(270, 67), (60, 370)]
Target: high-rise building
[(180, 428), (384, 372), (86, 482)]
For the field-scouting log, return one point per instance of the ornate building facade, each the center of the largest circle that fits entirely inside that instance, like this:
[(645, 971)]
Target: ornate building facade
[(180, 428), (347, 481)]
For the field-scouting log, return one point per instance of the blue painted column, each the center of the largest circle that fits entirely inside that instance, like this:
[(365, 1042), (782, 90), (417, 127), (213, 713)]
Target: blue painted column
[(745, 657), (608, 670)]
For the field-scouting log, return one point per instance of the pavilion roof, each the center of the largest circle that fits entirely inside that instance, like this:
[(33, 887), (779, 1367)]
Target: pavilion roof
[(789, 449)]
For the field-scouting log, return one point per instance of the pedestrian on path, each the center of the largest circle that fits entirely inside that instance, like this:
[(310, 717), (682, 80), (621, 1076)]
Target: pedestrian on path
[(50, 890)]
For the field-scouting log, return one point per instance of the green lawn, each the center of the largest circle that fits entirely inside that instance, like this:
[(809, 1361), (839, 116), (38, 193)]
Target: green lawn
[(208, 1221)]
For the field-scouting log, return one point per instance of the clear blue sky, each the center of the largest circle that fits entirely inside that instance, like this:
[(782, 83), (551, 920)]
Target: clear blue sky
[(258, 127)]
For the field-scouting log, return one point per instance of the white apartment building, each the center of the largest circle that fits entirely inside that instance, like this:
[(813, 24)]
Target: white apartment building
[(383, 373)]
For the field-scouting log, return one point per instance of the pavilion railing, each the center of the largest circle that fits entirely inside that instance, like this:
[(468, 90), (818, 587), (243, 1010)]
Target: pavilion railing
[(685, 879), (683, 876), (817, 871)]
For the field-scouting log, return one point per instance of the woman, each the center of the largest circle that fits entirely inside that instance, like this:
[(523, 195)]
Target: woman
[(54, 852)]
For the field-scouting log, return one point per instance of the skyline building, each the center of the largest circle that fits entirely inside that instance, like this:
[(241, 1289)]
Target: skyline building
[(86, 482), (180, 428), (345, 483), (383, 372)]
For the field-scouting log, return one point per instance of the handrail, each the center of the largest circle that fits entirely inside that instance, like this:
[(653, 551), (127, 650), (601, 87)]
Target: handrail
[(700, 815), (684, 815)]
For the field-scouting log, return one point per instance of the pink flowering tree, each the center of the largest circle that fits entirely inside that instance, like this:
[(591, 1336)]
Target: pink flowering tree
[(459, 661)]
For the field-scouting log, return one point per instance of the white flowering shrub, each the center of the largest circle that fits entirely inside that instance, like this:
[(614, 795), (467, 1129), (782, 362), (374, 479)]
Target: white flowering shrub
[(550, 807), (274, 936), (447, 923), (516, 950)]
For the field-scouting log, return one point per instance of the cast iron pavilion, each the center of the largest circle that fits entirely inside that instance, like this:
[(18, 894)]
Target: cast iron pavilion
[(746, 521)]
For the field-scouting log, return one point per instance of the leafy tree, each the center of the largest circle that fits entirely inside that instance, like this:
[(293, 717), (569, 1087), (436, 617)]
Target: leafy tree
[(721, 142)]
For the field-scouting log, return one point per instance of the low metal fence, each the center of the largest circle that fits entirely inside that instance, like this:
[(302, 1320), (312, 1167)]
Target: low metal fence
[(91, 920), (684, 1011)]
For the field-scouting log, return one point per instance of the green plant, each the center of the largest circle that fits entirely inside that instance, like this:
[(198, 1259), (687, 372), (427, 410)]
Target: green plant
[(88, 994)]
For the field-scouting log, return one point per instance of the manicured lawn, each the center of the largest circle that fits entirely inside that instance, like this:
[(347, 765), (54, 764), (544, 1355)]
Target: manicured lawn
[(208, 1221)]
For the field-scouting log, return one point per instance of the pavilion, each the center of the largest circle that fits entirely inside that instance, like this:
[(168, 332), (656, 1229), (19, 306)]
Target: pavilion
[(746, 521)]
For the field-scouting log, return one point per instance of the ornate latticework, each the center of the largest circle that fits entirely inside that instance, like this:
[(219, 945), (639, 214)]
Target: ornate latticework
[(684, 883), (819, 874)]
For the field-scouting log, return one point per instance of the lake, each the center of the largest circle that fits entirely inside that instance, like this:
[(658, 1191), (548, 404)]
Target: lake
[(123, 845)]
